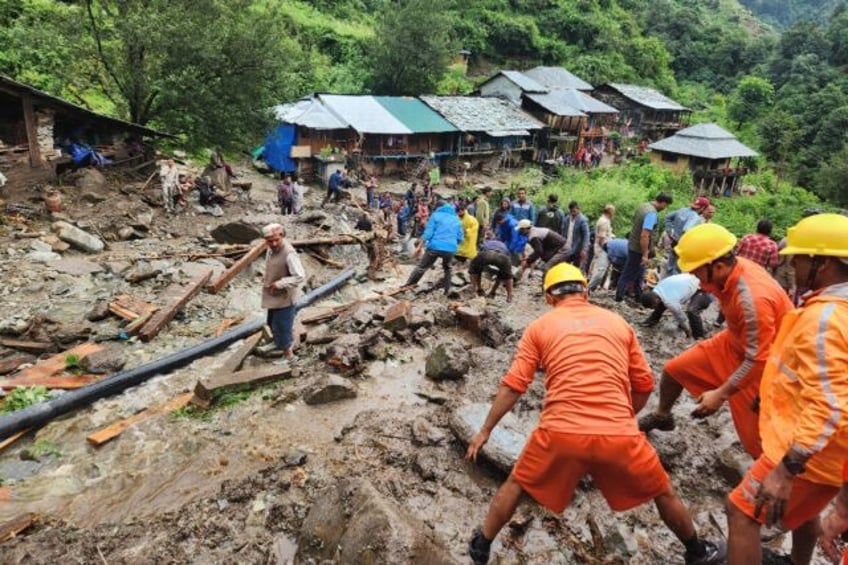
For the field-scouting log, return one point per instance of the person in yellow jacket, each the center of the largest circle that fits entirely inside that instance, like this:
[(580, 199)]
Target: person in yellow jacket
[(467, 250), (803, 402)]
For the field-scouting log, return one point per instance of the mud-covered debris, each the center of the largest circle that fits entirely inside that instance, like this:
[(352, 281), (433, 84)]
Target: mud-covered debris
[(470, 318), (494, 331), (295, 458), (731, 465), (75, 267), (429, 466), (78, 238), (100, 311), (329, 388), (352, 522), (449, 360), (343, 354), (507, 439), (110, 359), (425, 433)]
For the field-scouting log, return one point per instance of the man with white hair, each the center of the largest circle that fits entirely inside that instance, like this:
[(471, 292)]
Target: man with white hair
[(281, 288)]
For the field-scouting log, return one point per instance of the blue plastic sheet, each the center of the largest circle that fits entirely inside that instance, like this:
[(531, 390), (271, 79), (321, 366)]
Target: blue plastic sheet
[(278, 146)]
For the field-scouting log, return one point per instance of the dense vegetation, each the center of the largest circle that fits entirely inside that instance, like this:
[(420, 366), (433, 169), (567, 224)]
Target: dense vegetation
[(209, 69)]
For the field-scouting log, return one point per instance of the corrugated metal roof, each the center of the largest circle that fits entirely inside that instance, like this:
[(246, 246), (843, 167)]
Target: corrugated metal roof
[(364, 114), (647, 96), (309, 112), (481, 114), (560, 101), (707, 141), (524, 82), (414, 114), (556, 78), (16, 86)]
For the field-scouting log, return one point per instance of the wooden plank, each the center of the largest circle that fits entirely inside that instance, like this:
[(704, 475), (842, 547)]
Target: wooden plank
[(122, 312), (255, 376), (227, 323), (240, 265), (57, 363), (180, 296), (14, 527), (202, 395), (134, 304), (35, 159), (112, 431), (12, 439), (345, 307), (28, 346), (134, 326), (11, 363), (60, 382)]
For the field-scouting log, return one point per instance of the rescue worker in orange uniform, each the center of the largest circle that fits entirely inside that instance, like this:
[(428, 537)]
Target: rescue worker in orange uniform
[(596, 380), (804, 402), (728, 366)]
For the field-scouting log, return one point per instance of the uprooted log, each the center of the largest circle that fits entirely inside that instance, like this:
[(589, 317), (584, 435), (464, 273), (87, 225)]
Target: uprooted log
[(176, 297), (38, 414)]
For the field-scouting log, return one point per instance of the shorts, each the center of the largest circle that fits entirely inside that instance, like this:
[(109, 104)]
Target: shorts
[(706, 366), (491, 258), (806, 500), (625, 469)]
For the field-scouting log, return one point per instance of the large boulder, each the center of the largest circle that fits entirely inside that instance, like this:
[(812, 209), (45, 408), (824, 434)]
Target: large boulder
[(351, 522), (236, 232), (78, 238), (90, 180), (507, 439), (329, 388), (447, 361)]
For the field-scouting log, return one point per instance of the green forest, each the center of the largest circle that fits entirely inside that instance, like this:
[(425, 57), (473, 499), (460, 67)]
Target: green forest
[(775, 73)]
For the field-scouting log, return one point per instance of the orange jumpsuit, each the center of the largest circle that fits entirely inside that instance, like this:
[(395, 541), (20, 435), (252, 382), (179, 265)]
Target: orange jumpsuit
[(753, 304), (804, 405), (592, 361)]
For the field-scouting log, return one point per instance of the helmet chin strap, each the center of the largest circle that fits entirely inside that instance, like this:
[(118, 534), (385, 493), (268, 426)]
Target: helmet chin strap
[(818, 261)]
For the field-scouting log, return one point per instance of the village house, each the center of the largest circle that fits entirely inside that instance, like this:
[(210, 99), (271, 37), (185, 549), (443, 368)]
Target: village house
[(37, 128), (706, 150), (386, 134), (559, 99), (643, 112)]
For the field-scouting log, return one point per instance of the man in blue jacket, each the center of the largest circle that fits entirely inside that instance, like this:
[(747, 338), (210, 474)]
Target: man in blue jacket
[(441, 238)]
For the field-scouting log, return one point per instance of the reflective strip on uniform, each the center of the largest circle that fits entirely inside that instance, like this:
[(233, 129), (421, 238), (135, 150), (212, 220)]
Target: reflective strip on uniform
[(751, 332)]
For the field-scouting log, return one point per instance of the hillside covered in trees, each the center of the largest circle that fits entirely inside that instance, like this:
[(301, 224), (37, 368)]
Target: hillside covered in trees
[(208, 69)]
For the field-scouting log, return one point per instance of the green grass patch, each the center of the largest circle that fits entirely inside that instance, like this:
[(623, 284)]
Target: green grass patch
[(24, 396), (225, 399), (44, 448)]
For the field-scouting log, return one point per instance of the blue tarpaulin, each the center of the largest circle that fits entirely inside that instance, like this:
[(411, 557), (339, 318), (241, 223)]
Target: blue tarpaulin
[(278, 146)]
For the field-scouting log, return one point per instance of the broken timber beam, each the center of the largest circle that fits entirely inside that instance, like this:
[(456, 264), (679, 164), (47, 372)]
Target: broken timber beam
[(11, 363), (60, 382), (12, 439), (203, 396), (345, 307), (326, 260), (254, 376), (28, 346), (240, 265), (103, 435), (344, 239), (9, 530), (179, 296), (56, 363)]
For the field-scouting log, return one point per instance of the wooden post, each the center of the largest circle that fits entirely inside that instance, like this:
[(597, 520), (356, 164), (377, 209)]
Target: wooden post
[(240, 265), (35, 159), (177, 296)]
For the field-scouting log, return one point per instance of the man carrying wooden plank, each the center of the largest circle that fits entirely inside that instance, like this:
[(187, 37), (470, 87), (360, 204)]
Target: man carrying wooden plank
[(281, 287)]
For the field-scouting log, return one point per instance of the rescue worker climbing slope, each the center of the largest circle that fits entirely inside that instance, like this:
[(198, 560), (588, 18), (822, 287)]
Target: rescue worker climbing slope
[(728, 366), (804, 406), (596, 380)]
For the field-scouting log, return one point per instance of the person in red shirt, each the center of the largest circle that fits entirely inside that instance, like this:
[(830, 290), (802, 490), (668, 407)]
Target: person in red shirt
[(760, 247), (596, 380)]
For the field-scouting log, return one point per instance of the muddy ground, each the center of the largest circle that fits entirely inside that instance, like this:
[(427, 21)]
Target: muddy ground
[(264, 477)]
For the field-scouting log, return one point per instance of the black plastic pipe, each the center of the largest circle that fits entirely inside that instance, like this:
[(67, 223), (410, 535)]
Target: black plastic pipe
[(43, 412)]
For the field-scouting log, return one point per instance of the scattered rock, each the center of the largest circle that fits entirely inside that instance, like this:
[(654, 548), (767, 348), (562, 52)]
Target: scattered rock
[(429, 466), (100, 311), (447, 361), (397, 316), (89, 179), (43, 256), (127, 233), (236, 232), (142, 220), (425, 433), (78, 238), (315, 218), (329, 388), (443, 315), (507, 439), (470, 318), (110, 359), (295, 458), (494, 331), (76, 267), (731, 465), (92, 197), (352, 522), (343, 353)]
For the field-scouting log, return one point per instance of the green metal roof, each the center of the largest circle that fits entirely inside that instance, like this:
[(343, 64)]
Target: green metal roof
[(414, 114)]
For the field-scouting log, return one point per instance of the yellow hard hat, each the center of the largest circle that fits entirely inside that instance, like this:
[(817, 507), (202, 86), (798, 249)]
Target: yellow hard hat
[(703, 244), (822, 234), (562, 273)]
